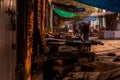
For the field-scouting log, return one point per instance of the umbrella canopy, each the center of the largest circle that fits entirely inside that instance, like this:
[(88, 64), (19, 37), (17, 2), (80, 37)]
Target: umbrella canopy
[(64, 13), (68, 7), (110, 5), (101, 13)]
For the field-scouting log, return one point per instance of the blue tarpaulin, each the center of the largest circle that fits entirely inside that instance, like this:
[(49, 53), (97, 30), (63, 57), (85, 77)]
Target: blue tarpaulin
[(90, 18), (110, 5)]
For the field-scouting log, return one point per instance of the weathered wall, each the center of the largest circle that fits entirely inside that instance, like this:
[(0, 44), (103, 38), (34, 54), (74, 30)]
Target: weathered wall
[(7, 41)]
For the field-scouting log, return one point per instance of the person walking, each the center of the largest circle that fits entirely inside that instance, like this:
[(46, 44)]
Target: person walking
[(85, 30)]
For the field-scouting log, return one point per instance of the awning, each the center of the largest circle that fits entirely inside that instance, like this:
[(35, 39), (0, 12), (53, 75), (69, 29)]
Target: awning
[(64, 13), (68, 7), (109, 5)]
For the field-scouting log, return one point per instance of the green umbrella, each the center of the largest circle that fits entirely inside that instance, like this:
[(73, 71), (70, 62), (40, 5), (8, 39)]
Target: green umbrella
[(64, 13)]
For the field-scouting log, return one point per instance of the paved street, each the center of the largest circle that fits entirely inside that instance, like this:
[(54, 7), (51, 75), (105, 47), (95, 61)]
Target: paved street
[(109, 46)]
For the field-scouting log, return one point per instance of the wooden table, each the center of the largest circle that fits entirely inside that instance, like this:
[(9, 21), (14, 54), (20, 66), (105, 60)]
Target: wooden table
[(79, 44), (54, 46), (74, 42)]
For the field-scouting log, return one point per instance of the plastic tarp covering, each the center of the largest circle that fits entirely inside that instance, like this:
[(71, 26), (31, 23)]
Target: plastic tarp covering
[(90, 18), (64, 13), (110, 5)]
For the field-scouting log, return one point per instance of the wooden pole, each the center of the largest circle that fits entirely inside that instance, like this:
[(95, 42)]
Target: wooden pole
[(43, 25), (30, 28), (43, 15), (47, 17), (51, 18)]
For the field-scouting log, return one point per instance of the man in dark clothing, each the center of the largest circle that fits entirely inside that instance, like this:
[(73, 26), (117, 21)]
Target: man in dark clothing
[(85, 31)]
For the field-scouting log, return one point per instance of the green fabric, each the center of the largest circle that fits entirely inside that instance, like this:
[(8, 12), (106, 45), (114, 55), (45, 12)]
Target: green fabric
[(63, 13), (101, 22)]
